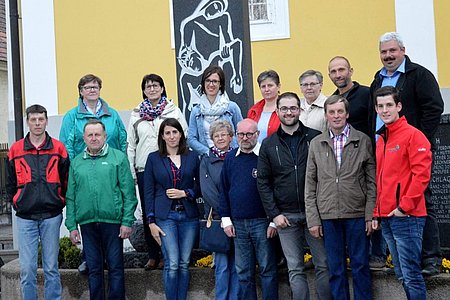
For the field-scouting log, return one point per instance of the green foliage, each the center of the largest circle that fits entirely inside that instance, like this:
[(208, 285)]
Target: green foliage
[(68, 257)]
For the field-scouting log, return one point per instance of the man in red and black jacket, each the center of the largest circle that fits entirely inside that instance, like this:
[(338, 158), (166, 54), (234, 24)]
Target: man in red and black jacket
[(37, 173)]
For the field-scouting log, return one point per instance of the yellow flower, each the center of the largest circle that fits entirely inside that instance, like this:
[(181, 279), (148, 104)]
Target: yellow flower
[(205, 262)]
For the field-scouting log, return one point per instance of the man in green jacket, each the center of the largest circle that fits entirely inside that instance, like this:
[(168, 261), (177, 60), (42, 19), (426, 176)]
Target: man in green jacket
[(101, 199)]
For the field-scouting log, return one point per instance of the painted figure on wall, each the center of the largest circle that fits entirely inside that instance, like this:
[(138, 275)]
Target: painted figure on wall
[(207, 38)]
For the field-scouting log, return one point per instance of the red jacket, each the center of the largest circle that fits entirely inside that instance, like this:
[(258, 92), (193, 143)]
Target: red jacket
[(403, 169), (37, 179), (255, 112)]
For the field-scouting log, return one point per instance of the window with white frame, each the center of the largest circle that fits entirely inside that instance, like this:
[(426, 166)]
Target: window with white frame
[(269, 19)]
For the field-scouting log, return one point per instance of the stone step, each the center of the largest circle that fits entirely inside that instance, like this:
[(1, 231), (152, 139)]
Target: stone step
[(9, 255)]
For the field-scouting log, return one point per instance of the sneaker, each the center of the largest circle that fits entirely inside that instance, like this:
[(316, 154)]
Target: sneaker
[(83, 268), (430, 270), (377, 263)]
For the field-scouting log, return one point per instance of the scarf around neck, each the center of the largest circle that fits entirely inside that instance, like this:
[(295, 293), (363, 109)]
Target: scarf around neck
[(148, 112), (212, 112)]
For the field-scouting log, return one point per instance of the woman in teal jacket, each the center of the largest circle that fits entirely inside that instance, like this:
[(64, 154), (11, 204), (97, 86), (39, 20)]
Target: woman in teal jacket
[(90, 105)]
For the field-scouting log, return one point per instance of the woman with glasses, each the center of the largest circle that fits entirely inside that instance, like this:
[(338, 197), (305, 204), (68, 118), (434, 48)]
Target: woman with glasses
[(312, 112), (263, 112), (221, 132), (142, 139), (214, 104), (90, 106), (171, 187)]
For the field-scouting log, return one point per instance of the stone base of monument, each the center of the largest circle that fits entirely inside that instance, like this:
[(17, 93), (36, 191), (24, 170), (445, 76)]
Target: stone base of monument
[(142, 284)]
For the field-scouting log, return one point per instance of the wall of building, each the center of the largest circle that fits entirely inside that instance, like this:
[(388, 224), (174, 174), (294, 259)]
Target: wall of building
[(121, 41)]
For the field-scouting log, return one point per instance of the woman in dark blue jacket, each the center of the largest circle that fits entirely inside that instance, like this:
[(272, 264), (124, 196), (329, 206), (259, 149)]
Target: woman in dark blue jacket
[(170, 189)]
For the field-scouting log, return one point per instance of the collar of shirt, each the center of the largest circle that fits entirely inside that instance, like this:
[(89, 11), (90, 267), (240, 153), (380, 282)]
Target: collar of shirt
[(97, 108), (254, 150), (346, 132), (102, 152), (284, 134), (400, 69)]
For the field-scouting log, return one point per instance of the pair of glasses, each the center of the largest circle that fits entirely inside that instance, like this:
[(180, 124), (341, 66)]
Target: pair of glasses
[(293, 109), (213, 82), (312, 84), (246, 134), (220, 136), (91, 88), (152, 86)]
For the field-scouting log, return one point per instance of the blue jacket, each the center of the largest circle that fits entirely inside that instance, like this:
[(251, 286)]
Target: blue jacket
[(72, 127), (196, 133), (210, 168), (158, 178)]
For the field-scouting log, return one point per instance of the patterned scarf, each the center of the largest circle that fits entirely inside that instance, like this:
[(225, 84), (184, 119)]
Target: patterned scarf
[(212, 112), (148, 112), (220, 153)]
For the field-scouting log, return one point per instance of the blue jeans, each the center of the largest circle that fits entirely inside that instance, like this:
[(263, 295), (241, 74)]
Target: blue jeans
[(227, 283), (181, 234), (404, 238), (292, 240), (30, 233), (344, 236), (251, 245), (101, 242)]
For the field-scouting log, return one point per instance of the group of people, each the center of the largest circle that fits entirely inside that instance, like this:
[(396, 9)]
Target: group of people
[(302, 169)]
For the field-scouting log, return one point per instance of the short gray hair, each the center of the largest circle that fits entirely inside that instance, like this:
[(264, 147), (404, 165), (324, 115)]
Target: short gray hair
[(220, 125), (311, 73), (392, 36)]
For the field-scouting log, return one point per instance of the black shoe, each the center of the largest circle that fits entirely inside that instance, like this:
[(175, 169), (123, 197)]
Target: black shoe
[(430, 270), (83, 268)]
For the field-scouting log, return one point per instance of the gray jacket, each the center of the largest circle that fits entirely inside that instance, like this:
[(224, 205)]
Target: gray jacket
[(347, 192)]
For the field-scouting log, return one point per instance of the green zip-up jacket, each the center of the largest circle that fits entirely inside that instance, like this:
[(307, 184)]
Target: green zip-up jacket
[(100, 189)]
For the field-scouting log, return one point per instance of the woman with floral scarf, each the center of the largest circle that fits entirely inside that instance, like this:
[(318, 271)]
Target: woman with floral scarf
[(142, 138), (214, 104)]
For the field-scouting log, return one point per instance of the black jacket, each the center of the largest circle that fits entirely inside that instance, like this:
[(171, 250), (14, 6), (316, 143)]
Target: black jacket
[(359, 98), (422, 103), (37, 178), (281, 180)]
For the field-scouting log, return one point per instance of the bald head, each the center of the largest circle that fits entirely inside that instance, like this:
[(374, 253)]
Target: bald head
[(247, 135)]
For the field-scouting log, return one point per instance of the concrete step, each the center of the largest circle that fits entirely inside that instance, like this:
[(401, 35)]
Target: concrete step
[(9, 255)]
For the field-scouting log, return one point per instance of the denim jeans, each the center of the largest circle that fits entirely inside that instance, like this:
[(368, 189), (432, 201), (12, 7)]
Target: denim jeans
[(292, 240), (30, 233), (378, 245), (344, 236), (101, 242), (251, 245), (181, 234), (227, 283), (404, 238)]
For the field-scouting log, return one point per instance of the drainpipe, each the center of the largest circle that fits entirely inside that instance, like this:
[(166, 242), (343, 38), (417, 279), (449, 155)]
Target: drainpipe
[(16, 68)]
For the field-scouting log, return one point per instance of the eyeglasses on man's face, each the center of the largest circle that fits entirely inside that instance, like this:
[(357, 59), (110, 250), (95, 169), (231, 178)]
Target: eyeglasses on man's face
[(307, 85), (213, 82), (249, 135), (91, 87), (293, 109)]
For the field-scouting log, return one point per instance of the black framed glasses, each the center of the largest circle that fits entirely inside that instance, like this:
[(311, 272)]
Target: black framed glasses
[(246, 134)]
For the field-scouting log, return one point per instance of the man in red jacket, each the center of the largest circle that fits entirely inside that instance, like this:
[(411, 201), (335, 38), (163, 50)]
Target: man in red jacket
[(37, 171), (403, 173)]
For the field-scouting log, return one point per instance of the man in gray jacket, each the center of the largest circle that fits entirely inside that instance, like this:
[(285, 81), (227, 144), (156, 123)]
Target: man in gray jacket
[(339, 198)]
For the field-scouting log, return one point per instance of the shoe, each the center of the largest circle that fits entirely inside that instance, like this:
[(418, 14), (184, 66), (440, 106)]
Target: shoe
[(161, 264), (282, 263), (430, 270), (377, 263), (150, 265), (83, 268)]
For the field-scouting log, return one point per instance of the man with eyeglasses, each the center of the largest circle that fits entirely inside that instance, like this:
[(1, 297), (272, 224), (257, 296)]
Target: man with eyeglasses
[(244, 218), (311, 105), (339, 198), (281, 181)]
